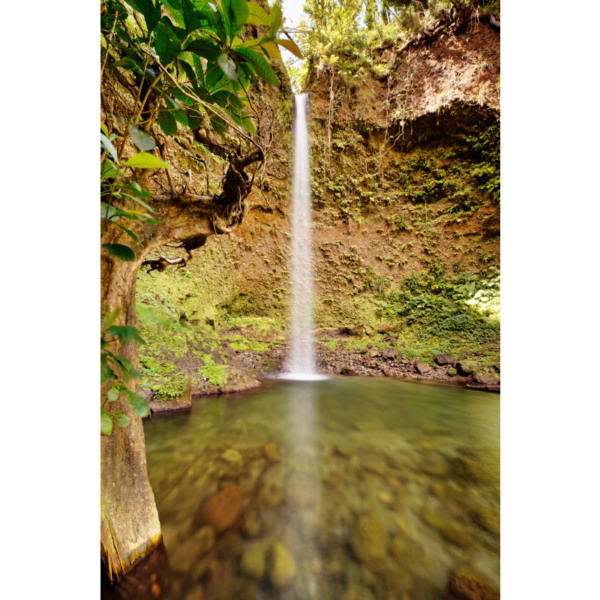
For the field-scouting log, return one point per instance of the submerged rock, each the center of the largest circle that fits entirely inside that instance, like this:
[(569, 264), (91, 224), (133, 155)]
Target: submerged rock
[(283, 568), (468, 469), (271, 452), (488, 518), (231, 455), (254, 561), (186, 555), (223, 510), (465, 587), (448, 531), (369, 541)]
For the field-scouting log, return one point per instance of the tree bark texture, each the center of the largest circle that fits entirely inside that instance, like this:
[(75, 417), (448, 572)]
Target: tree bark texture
[(130, 528)]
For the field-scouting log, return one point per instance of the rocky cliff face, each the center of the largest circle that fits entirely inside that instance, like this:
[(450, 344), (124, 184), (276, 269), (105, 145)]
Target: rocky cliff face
[(405, 168)]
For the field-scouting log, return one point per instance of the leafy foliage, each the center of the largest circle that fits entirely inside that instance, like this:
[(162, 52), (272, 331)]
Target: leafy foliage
[(191, 62)]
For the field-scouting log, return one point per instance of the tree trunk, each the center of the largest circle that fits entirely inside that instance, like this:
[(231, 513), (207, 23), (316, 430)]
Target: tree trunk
[(130, 528)]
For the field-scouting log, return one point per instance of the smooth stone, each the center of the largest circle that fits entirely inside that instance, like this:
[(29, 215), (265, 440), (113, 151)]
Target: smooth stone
[(186, 555), (271, 452), (468, 469), (271, 494), (445, 359), (232, 456), (487, 379), (368, 539), (252, 526), (223, 510), (465, 368), (435, 468), (422, 367), (284, 567), (488, 518), (254, 560), (448, 531)]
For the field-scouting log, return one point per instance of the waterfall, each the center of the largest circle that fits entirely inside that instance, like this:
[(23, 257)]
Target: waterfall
[(301, 358)]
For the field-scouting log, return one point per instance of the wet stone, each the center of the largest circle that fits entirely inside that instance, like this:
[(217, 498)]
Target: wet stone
[(468, 469), (271, 452), (186, 555), (369, 541), (284, 568), (488, 518), (449, 531), (231, 456), (466, 587), (223, 510), (254, 561)]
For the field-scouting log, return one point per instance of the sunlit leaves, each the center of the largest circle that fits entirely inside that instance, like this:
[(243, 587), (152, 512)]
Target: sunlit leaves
[(143, 160), (124, 253), (112, 394), (151, 11), (106, 424), (121, 419), (137, 403), (204, 48), (291, 46), (260, 63), (257, 15), (108, 146), (235, 13)]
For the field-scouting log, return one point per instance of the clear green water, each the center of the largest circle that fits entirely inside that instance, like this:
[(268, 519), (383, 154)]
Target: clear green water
[(383, 489)]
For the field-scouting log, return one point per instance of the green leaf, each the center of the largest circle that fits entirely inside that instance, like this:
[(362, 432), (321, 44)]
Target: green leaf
[(104, 128), (106, 424), (137, 403), (129, 232), (126, 333), (235, 12), (167, 44), (124, 253), (291, 46), (121, 419), (142, 139), (143, 160), (257, 15), (107, 145), (108, 170), (113, 394), (106, 210), (260, 63), (276, 18), (175, 111), (151, 11), (227, 66), (126, 367), (106, 373), (167, 123), (204, 48), (110, 317)]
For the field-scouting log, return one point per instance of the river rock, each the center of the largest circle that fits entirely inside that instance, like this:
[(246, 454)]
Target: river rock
[(487, 379), (283, 568), (357, 592), (254, 561), (252, 526), (191, 551), (465, 587), (445, 359), (422, 367), (435, 468), (465, 368), (368, 539), (231, 456), (448, 531), (271, 452), (468, 469), (488, 518), (223, 510), (374, 353), (271, 494)]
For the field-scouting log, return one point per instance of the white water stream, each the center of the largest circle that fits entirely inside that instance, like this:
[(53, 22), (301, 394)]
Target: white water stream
[(301, 359)]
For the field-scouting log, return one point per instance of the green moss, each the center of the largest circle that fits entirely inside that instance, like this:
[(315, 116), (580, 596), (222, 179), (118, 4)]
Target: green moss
[(172, 388)]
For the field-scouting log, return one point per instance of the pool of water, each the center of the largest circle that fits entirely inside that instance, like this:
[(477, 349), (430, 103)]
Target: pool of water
[(349, 488)]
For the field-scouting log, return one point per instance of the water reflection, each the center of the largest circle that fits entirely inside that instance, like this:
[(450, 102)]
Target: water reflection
[(346, 489)]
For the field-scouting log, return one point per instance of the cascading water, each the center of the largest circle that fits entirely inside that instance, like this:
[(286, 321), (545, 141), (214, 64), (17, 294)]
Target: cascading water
[(301, 360)]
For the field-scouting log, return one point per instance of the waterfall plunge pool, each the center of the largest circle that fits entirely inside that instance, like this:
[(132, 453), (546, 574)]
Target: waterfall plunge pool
[(346, 488)]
